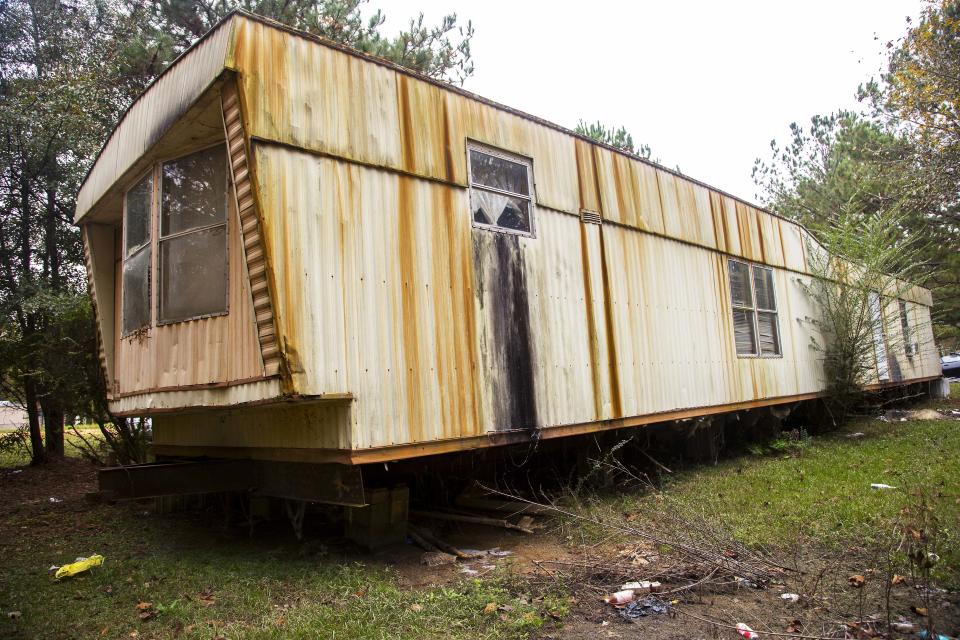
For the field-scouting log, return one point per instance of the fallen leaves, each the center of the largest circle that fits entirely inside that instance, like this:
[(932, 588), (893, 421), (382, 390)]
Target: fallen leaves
[(145, 610), (856, 581), (206, 598)]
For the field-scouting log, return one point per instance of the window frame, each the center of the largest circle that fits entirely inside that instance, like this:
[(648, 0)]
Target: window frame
[(154, 272), (148, 245), (489, 150), (906, 331), (755, 311), (157, 218)]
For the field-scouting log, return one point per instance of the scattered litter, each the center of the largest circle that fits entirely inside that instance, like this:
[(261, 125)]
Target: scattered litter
[(497, 552), (643, 586), (416, 608), (899, 415), (490, 609), (81, 565), (620, 598), (17, 471), (858, 434), (926, 634), (903, 627), (747, 632), (649, 605), (14, 615), (920, 611), (880, 485), (437, 558), (790, 597), (856, 581), (933, 558), (743, 582), (470, 572), (55, 500)]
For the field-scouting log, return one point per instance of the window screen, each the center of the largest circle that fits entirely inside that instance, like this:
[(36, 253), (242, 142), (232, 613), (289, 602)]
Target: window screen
[(500, 191), (905, 329), (193, 236), (136, 256), (756, 327)]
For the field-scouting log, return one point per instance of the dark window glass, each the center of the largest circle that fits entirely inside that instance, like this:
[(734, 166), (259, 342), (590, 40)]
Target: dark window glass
[(500, 210), (193, 275), (493, 171), (740, 284), (193, 236), (136, 291), (136, 219), (743, 331), (763, 286), (193, 191), (768, 331)]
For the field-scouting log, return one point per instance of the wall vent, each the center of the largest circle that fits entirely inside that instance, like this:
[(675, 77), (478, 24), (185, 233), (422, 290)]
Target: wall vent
[(590, 217)]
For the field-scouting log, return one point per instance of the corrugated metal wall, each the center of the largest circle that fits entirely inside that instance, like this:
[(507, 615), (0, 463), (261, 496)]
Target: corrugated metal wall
[(384, 291)]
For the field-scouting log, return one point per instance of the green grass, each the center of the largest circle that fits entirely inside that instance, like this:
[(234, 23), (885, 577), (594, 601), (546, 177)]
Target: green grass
[(257, 592), (817, 491), (72, 445)]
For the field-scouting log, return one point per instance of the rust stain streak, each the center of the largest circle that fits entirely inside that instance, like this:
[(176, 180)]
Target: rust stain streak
[(410, 320), (406, 124), (591, 324), (613, 363)]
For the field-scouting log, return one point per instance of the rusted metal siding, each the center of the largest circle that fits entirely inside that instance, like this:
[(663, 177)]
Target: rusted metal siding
[(312, 425), (256, 264), (233, 397), (154, 112)]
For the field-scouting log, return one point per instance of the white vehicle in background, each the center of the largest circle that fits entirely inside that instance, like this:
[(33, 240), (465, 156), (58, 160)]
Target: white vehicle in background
[(951, 365)]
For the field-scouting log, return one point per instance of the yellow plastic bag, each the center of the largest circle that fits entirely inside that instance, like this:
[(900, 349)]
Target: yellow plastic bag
[(81, 565)]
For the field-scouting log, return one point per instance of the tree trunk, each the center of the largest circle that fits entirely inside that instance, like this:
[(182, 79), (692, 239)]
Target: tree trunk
[(53, 429), (38, 453)]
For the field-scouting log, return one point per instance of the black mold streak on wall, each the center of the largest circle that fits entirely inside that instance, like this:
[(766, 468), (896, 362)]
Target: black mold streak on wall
[(508, 354)]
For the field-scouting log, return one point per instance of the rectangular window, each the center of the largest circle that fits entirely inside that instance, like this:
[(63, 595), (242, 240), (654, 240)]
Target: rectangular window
[(193, 236), (501, 190), (136, 255), (756, 326), (908, 345)]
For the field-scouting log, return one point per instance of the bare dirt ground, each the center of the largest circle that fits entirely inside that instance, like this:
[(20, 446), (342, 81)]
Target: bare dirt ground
[(46, 506)]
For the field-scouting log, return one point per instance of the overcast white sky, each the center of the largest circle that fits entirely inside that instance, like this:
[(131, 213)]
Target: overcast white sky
[(707, 84)]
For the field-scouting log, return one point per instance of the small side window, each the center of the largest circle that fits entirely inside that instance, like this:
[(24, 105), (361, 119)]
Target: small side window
[(908, 345), (501, 190), (136, 256), (756, 326)]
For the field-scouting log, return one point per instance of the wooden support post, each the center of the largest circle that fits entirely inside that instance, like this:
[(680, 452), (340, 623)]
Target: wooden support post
[(383, 521)]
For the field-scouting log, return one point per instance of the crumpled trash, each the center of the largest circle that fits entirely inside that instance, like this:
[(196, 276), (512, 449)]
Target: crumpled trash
[(790, 597), (880, 485), (620, 598), (649, 605), (643, 586), (925, 634), (55, 500), (747, 632), (81, 565)]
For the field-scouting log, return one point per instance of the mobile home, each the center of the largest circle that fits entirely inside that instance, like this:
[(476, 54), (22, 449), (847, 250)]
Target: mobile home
[(303, 254)]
